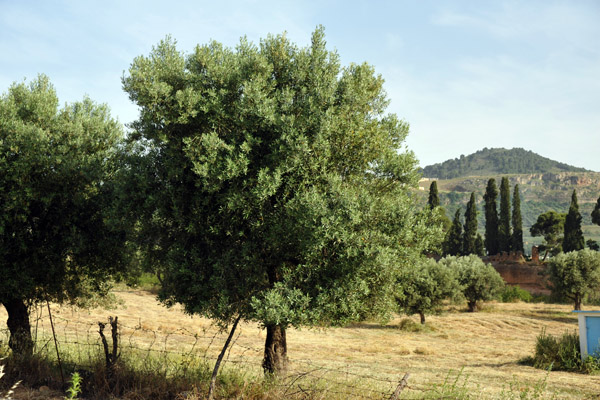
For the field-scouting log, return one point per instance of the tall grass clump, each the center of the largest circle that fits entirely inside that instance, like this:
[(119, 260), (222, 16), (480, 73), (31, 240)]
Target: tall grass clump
[(562, 354)]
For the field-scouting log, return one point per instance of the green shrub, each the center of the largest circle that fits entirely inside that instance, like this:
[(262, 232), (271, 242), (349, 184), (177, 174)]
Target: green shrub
[(562, 354), (511, 294)]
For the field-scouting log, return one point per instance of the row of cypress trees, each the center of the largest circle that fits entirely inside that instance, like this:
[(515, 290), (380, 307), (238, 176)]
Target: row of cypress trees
[(503, 230), (499, 234), (460, 240)]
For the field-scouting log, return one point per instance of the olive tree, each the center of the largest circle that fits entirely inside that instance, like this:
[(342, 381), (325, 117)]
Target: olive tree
[(423, 288), (57, 242), (479, 281), (278, 188), (575, 274)]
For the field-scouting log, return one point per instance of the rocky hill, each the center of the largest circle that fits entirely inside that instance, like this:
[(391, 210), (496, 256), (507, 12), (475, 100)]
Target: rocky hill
[(500, 161)]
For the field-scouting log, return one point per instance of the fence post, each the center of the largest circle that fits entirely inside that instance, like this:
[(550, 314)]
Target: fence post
[(401, 386), (62, 375)]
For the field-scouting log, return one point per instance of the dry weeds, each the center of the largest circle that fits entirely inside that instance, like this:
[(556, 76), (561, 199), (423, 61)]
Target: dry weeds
[(486, 345)]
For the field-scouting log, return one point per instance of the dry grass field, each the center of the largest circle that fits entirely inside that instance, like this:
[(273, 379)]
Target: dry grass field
[(481, 349)]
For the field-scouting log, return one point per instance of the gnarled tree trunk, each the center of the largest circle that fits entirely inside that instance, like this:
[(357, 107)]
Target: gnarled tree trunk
[(472, 306), (422, 316), (275, 359), (20, 341)]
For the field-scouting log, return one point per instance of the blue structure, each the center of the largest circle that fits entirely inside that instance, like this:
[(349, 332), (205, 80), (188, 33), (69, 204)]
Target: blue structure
[(589, 333)]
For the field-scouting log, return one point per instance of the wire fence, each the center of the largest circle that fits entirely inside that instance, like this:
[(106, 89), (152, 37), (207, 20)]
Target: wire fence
[(179, 350)]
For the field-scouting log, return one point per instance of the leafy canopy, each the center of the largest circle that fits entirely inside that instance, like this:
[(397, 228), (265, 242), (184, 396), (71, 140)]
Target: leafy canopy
[(550, 225), (276, 185), (479, 281), (423, 288), (56, 241), (575, 274)]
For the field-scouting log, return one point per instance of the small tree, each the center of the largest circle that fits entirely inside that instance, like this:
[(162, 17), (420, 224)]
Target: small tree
[(433, 201), (504, 235), (470, 231), (596, 213), (517, 222), (573, 235), (592, 245), (575, 274), (550, 225), (423, 288), (479, 281), (453, 242), (491, 218)]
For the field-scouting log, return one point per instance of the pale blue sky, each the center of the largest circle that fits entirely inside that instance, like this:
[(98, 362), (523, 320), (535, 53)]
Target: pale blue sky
[(464, 74)]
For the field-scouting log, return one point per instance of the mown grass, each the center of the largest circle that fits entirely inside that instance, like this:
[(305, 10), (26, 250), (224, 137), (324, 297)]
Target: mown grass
[(169, 355)]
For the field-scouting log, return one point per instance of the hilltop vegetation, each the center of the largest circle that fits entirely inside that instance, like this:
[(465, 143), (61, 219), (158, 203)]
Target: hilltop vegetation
[(491, 162)]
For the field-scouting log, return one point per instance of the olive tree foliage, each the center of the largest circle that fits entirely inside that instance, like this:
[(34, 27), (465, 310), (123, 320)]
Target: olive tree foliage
[(575, 274), (550, 225), (478, 281), (275, 186), (57, 242), (423, 288)]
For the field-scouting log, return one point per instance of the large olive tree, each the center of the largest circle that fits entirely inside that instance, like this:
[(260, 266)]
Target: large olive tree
[(56, 242), (273, 184)]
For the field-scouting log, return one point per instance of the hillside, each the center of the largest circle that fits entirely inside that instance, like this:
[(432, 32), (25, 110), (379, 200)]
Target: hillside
[(493, 162)]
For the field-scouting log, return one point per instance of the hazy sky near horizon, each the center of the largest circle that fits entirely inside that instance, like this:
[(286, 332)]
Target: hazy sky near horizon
[(465, 74)]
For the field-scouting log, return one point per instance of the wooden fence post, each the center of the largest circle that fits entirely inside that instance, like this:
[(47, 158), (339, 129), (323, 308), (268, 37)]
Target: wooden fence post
[(401, 386)]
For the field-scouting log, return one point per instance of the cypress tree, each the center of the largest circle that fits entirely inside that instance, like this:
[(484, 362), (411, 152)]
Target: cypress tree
[(491, 217), (596, 213), (453, 242), (470, 231), (573, 239), (434, 200), (517, 222), (479, 249), (504, 223)]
